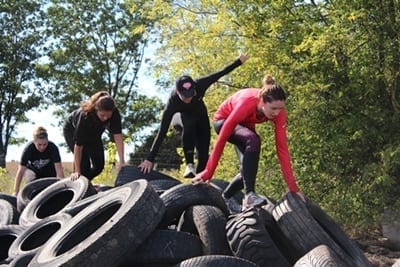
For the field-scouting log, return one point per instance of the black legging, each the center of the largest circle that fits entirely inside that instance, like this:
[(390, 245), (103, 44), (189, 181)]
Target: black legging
[(196, 134), (92, 161), (247, 145)]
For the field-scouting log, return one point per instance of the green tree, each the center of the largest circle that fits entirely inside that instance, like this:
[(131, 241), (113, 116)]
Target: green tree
[(20, 91), (338, 61), (98, 45)]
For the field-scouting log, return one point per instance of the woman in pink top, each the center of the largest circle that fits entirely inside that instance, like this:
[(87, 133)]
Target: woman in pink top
[(235, 122)]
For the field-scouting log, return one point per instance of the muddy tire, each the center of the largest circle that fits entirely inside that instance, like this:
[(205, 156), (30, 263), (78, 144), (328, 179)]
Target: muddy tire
[(106, 231)]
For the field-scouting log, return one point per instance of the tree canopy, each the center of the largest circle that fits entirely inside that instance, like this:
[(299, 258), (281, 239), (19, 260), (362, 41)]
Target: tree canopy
[(20, 91), (338, 61), (61, 52)]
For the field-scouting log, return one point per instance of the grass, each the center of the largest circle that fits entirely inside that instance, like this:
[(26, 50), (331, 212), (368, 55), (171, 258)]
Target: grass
[(107, 177)]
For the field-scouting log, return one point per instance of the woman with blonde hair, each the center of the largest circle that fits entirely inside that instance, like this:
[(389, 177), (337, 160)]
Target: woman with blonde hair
[(40, 158), (235, 121), (83, 130)]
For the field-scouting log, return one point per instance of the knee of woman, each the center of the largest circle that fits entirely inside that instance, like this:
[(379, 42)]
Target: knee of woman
[(98, 170), (253, 143)]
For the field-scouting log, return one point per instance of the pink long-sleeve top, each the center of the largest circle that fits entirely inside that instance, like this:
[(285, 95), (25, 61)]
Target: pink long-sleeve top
[(240, 108)]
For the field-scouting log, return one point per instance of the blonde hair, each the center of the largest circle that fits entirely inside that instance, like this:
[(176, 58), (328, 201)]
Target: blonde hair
[(40, 133), (99, 101), (268, 81), (270, 91)]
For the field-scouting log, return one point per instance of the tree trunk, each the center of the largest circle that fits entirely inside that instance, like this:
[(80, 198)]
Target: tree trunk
[(2, 160)]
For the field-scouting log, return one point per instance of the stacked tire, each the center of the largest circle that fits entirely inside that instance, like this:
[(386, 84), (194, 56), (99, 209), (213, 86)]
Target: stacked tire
[(155, 220)]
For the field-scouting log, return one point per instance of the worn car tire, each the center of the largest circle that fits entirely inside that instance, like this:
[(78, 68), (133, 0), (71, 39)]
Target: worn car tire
[(106, 231), (31, 189), (8, 213), (130, 173), (249, 239), (216, 261), (321, 256), (10, 198), (55, 198), (209, 224), (308, 226), (222, 184), (22, 260), (8, 233), (178, 198), (79, 205), (32, 238), (163, 185), (166, 246)]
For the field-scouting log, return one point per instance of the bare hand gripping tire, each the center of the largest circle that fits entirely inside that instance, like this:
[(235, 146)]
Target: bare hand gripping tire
[(103, 233), (307, 226), (55, 198)]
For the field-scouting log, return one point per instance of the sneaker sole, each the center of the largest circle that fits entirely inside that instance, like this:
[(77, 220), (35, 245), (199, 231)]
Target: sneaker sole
[(190, 175)]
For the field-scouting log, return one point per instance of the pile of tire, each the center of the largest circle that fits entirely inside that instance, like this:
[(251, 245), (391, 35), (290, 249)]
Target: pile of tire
[(154, 220)]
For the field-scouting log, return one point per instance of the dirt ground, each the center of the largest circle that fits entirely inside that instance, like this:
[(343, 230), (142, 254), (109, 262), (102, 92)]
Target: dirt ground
[(378, 249)]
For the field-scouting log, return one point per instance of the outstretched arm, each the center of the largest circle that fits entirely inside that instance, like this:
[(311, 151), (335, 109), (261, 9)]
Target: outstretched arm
[(205, 82), (283, 154), (147, 165)]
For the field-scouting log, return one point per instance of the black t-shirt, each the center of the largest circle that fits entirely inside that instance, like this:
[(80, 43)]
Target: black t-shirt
[(42, 163), (88, 128)]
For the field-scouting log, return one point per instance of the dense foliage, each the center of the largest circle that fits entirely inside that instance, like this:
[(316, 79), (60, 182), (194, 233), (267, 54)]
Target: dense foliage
[(338, 61)]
